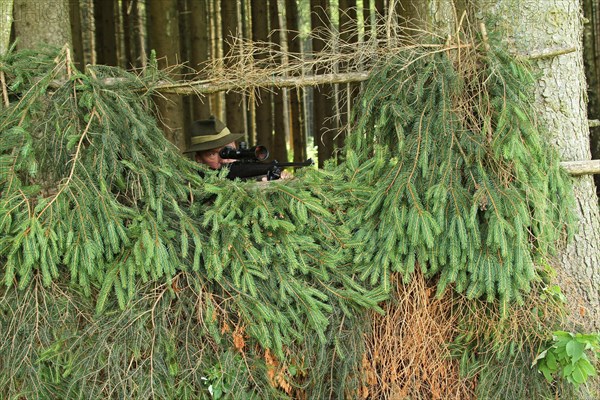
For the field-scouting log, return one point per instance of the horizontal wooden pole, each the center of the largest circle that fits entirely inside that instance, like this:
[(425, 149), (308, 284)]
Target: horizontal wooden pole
[(593, 123), (588, 167), (204, 87)]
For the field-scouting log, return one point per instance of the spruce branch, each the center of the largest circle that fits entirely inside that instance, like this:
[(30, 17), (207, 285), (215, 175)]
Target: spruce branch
[(74, 160)]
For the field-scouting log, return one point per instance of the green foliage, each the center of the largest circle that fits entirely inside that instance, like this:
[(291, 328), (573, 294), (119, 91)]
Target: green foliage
[(97, 201), (126, 273), (567, 357), (465, 185)]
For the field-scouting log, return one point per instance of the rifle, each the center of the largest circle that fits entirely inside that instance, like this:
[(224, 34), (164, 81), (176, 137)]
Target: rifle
[(251, 163)]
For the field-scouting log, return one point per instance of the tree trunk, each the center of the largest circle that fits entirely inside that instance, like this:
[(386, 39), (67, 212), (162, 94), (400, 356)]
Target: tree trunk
[(234, 102), (42, 23), (427, 15), (347, 93), (6, 12), (561, 96), (106, 34), (76, 33), (323, 105), (133, 35), (164, 39), (591, 40), (200, 52), (297, 131), (280, 117), (87, 31), (263, 108)]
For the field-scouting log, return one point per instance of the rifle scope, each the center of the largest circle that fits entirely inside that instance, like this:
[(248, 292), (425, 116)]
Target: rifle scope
[(256, 153)]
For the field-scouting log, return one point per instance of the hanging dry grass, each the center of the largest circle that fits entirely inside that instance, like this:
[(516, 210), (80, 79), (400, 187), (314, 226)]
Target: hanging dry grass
[(407, 354), (414, 350)]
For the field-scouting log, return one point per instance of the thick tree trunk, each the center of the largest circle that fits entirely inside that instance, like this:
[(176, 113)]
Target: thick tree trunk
[(561, 96), (42, 23), (427, 16), (591, 40), (164, 39)]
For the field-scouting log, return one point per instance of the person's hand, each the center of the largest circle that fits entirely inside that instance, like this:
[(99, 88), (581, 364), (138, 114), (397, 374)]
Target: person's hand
[(284, 175)]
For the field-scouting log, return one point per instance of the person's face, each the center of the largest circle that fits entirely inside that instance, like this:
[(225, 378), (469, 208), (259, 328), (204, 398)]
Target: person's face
[(212, 158)]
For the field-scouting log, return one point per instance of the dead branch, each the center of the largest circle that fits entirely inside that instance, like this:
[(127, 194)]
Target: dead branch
[(587, 167), (277, 81), (547, 53)]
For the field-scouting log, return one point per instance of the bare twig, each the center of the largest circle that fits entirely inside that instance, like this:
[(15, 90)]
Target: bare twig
[(547, 53)]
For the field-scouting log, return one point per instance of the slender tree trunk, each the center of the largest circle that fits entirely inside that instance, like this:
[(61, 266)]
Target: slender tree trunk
[(234, 102), (106, 34), (263, 107), (133, 36), (561, 96), (164, 39), (42, 23), (6, 19), (279, 152), (87, 31), (200, 51), (347, 93), (76, 33), (297, 131), (323, 107)]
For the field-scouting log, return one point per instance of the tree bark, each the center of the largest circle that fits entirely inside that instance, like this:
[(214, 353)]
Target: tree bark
[(591, 40), (323, 106), (263, 104), (76, 33), (234, 102), (6, 19), (133, 35), (297, 131), (164, 39), (200, 52), (561, 96), (347, 93), (42, 23), (280, 117), (106, 34)]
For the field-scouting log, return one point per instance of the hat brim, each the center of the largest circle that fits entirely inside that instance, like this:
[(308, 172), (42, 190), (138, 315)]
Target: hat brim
[(215, 144)]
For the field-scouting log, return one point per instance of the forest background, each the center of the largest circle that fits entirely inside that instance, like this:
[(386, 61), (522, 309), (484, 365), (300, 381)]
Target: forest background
[(187, 36)]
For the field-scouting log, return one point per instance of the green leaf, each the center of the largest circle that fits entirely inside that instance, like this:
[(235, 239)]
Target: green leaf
[(575, 350)]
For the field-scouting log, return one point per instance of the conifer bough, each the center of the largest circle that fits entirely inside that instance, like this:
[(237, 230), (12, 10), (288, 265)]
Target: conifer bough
[(465, 187)]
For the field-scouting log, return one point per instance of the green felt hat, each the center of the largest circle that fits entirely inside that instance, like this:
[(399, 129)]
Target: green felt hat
[(210, 134)]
